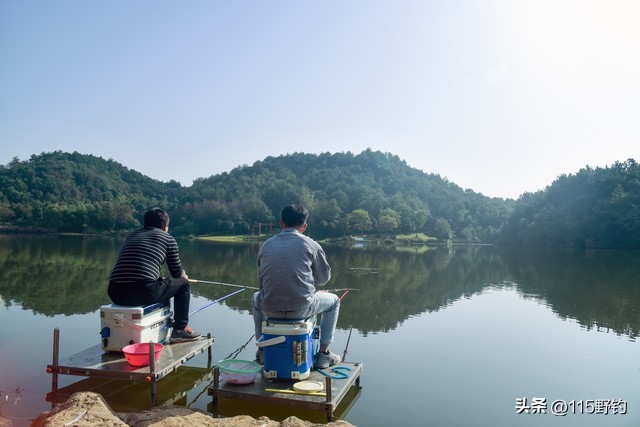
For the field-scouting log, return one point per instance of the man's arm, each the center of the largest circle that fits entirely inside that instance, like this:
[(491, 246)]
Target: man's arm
[(173, 260), (321, 269)]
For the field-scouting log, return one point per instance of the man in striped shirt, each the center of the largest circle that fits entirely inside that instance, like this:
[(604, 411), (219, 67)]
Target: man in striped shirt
[(135, 279)]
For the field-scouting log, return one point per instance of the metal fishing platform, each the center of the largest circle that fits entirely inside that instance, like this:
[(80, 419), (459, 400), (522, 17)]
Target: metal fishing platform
[(338, 381), (95, 362), (124, 395)]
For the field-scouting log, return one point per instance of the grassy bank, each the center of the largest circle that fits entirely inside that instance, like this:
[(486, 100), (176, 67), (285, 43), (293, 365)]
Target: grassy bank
[(400, 239), (231, 239)]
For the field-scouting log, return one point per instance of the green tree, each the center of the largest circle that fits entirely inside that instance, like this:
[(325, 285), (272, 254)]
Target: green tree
[(359, 222), (443, 230), (388, 221)]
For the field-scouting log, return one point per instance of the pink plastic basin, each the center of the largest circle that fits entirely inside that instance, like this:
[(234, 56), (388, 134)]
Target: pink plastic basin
[(138, 354)]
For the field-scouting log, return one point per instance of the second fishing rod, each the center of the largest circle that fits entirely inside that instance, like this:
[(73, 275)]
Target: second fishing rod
[(210, 282)]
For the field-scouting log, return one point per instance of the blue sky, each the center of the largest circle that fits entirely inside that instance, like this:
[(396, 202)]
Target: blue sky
[(497, 96)]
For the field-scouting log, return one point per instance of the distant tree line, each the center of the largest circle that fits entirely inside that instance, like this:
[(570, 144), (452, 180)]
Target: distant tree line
[(594, 208), (346, 194)]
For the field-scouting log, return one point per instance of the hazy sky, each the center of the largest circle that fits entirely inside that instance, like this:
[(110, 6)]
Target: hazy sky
[(497, 96)]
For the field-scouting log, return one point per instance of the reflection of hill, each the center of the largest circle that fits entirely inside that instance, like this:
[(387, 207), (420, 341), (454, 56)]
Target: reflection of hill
[(56, 274), (406, 284), (600, 289), (68, 275), (394, 285), (227, 263)]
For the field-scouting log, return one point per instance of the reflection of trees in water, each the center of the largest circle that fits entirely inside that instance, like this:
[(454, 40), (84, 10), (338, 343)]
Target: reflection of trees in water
[(393, 285), (68, 275), (600, 289), (56, 274), (407, 284)]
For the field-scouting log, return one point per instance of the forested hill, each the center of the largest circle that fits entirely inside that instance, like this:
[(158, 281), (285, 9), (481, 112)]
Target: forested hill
[(347, 194), (594, 208), (77, 192), (371, 192)]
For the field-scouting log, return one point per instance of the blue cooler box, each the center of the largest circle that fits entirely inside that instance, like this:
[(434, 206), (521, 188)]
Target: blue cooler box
[(295, 345)]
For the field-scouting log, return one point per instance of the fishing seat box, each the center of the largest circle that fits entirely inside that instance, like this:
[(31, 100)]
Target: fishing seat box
[(121, 325), (292, 358)]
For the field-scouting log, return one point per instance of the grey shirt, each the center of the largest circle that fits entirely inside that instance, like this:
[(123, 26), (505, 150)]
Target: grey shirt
[(290, 266)]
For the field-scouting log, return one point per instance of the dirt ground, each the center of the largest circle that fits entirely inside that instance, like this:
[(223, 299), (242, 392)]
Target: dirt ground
[(90, 409)]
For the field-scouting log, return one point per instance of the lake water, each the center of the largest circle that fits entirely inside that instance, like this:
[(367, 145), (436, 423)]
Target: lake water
[(462, 336)]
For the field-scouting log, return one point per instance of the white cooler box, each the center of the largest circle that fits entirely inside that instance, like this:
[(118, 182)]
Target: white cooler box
[(121, 325)]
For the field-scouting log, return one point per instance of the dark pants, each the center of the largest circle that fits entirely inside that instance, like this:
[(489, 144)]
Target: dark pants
[(134, 294)]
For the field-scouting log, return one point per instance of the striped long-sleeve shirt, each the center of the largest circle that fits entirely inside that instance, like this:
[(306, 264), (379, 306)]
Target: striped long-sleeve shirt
[(142, 255)]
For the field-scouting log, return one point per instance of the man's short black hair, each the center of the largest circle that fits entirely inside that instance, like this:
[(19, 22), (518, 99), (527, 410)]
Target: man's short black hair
[(157, 218), (294, 215)]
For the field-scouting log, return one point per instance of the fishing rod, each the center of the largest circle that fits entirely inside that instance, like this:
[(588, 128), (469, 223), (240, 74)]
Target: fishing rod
[(221, 283), (338, 290), (346, 349), (253, 287), (218, 300)]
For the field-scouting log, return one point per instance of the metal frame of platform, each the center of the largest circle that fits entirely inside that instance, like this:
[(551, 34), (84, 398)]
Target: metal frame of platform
[(124, 395), (95, 362), (280, 391)]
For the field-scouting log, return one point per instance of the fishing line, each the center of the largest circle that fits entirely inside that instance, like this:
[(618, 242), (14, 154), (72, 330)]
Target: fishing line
[(204, 390), (218, 300), (344, 355), (236, 352), (221, 283), (346, 291), (253, 287), (338, 290), (342, 289), (233, 355)]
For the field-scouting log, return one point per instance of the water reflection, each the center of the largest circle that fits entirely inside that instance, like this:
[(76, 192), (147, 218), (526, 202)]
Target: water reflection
[(55, 274), (67, 275), (599, 289)]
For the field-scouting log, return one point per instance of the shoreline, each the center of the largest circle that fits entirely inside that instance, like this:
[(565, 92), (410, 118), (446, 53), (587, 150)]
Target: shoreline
[(90, 409)]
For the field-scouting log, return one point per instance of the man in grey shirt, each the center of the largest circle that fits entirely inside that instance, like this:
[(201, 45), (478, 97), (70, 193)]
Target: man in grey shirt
[(290, 266)]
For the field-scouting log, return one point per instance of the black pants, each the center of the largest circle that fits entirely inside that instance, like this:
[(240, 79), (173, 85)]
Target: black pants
[(134, 294)]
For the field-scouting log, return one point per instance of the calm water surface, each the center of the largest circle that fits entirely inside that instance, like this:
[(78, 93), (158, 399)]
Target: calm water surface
[(448, 337)]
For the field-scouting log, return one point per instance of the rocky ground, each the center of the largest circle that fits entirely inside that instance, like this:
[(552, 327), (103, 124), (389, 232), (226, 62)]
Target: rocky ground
[(90, 409)]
